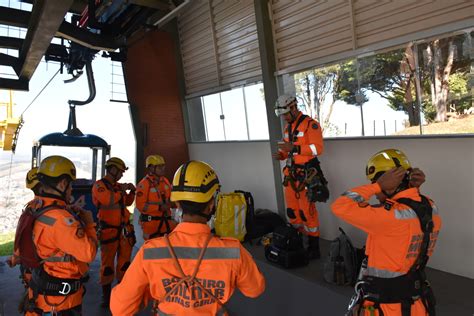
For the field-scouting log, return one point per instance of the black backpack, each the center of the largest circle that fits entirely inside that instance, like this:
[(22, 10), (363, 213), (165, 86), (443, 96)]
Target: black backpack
[(343, 262), (287, 248), (287, 238), (261, 223)]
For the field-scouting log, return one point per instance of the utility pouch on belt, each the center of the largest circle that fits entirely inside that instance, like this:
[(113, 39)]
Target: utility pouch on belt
[(316, 183)]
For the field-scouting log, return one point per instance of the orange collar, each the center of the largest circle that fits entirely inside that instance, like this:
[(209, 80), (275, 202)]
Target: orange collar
[(411, 193), (192, 228), (50, 201)]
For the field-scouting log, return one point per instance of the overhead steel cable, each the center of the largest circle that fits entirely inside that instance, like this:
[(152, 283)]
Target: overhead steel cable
[(39, 93)]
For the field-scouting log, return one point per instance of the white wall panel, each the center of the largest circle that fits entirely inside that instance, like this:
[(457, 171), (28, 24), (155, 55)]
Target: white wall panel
[(447, 162), (241, 166)]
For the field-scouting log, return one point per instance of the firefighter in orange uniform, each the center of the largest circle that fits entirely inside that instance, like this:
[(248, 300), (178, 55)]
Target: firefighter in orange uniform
[(190, 271), (303, 143), (117, 235), (402, 233), (65, 241), (153, 200)]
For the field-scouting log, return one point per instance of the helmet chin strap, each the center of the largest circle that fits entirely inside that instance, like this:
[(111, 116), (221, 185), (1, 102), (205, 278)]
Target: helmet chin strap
[(62, 194), (401, 187)]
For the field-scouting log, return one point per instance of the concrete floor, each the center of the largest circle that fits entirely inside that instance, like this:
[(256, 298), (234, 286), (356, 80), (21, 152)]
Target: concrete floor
[(299, 291)]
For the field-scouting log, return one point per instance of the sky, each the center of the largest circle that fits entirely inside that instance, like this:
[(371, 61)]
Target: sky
[(50, 112)]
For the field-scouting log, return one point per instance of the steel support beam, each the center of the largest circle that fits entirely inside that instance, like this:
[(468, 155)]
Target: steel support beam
[(14, 17), (13, 84), (270, 87), (46, 17), (154, 4), (10, 42), (88, 39), (77, 7), (17, 43), (7, 60)]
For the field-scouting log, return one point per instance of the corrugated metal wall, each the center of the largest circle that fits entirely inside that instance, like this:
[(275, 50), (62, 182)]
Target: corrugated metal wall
[(307, 30), (377, 21), (314, 32), (219, 44)]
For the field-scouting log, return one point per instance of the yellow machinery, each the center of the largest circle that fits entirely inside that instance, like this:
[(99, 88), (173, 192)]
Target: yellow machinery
[(10, 126)]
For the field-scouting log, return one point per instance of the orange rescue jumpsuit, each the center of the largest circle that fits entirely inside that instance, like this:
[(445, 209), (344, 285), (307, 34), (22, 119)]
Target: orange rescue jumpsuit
[(115, 228), (308, 137), (153, 195), (394, 236), (67, 247), (226, 265)]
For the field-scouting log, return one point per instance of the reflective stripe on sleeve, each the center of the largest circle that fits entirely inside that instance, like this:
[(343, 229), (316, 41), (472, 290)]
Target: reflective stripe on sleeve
[(405, 214), (313, 149), (354, 196)]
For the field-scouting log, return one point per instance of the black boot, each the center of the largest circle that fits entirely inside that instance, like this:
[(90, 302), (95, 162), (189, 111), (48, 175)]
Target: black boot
[(106, 289), (313, 248)]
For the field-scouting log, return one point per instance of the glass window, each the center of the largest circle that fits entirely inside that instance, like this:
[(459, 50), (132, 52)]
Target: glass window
[(256, 112), (233, 108), (237, 114), (447, 78), (393, 91), (213, 119)]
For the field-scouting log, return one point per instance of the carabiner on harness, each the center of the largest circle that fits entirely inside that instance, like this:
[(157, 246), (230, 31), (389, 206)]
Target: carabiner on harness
[(356, 301)]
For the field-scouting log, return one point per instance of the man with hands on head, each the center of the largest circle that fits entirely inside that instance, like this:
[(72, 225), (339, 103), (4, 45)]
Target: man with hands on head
[(402, 233)]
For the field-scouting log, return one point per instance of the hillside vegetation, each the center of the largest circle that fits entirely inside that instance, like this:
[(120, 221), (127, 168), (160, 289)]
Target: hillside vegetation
[(464, 125)]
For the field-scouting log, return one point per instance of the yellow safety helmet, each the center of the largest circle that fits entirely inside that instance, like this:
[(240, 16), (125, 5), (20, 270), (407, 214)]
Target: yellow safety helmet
[(32, 178), (154, 160), (56, 166), (385, 160), (116, 162), (194, 181)]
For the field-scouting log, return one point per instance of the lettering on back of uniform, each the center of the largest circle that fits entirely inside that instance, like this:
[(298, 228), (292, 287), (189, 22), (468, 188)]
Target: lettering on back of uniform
[(194, 296)]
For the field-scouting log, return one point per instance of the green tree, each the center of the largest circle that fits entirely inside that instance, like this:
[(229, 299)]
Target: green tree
[(392, 76), (317, 88)]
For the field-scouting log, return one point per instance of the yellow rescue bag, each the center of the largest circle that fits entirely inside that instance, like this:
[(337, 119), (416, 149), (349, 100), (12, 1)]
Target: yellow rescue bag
[(230, 215)]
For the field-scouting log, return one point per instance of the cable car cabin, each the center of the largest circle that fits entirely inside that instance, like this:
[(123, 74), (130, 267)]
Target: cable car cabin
[(87, 170)]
